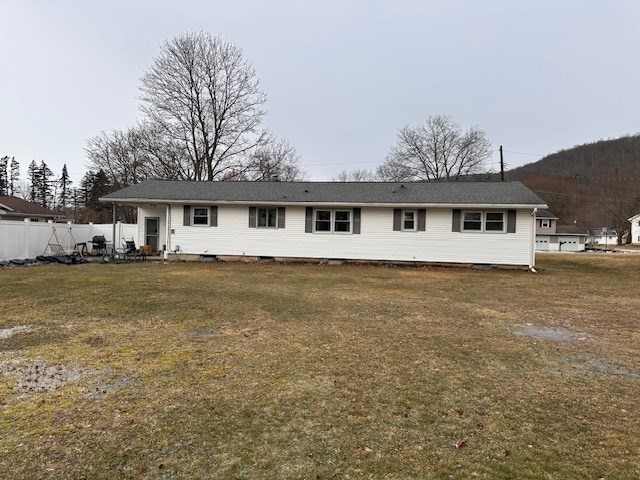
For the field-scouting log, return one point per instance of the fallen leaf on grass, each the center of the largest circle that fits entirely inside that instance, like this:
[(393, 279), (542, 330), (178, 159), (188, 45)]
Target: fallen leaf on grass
[(460, 443)]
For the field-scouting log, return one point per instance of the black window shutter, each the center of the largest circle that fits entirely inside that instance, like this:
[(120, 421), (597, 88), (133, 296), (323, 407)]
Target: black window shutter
[(308, 220), (511, 221), (455, 222), (186, 219), (356, 221), (213, 222), (397, 219), (252, 217), (281, 217), (422, 220)]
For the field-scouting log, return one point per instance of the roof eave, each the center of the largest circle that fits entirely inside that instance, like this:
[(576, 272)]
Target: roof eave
[(284, 202)]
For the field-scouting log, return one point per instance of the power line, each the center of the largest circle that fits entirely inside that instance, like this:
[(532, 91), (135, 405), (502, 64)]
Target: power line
[(522, 153)]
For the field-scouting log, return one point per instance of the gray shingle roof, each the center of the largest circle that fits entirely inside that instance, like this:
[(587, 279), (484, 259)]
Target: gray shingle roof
[(14, 206), (570, 230), (545, 214), (357, 193)]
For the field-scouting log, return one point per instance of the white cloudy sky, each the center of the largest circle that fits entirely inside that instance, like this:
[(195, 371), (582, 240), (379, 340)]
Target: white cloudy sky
[(341, 76)]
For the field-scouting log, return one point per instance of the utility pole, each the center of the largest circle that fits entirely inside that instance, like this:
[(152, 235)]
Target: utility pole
[(501, 165)]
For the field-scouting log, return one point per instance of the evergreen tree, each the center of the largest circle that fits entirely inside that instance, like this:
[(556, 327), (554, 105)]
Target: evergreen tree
[(45, 186), (4, 177), (14, 177), (65, 189), (93, 186), (33, 174)]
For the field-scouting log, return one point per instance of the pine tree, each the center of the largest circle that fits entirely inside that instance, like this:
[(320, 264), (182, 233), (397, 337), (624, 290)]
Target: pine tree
[(14, 176), (33, 173), (86, 187), (45, 186), (65, 189), (4, 177)]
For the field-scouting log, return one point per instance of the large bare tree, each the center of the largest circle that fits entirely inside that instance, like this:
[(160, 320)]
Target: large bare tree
[(274, 159), (202, 95), (120, 155), (437, 150), (130, 156)]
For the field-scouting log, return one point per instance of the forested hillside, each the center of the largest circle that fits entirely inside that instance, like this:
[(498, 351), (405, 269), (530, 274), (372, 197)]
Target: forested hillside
[(591, 185)]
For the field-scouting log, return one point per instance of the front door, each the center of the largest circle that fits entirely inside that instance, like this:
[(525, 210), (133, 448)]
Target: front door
[(151, 232)]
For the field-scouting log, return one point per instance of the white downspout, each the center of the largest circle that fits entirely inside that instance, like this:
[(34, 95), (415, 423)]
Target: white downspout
[(168, 232), (532, 261)]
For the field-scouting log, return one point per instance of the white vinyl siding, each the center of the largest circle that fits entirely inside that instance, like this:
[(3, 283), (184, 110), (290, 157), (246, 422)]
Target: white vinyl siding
[(376, 241)]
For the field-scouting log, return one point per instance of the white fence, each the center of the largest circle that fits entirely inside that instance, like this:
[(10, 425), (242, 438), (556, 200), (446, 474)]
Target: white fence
[(30, 239)]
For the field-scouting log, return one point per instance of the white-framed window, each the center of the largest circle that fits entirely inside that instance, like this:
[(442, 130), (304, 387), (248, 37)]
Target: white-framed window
[(409, 220), (494, 221), (545, 223), (332, 221), (267, 218), (473, 221), (200, 216)]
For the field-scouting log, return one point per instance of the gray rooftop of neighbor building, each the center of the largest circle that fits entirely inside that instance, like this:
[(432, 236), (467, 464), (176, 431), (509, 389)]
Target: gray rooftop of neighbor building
[(357, 193), (570, 230), (545, 214)]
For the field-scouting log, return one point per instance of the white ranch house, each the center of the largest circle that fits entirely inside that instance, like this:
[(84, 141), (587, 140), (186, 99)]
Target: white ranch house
[(456, 222), (635, 229)]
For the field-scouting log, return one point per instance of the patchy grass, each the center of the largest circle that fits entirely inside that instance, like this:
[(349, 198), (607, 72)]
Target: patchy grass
[(307, 371)]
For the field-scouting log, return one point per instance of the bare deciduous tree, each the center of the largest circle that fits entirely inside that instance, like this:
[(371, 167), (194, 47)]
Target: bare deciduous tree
[(274, 159), (619, 199), (437, 150), (201, 94), (357, 175), (119, 154)]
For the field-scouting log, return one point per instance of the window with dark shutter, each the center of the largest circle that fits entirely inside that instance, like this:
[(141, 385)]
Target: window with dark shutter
[(252, 217), (213, 222), (186, 216), (422, 220), (455, 220), (308, 220), (281, 217), (511, 221), (397, 219), (356, 221)]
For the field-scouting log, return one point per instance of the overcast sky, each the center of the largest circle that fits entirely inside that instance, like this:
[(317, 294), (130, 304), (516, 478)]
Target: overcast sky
[(341, 76)]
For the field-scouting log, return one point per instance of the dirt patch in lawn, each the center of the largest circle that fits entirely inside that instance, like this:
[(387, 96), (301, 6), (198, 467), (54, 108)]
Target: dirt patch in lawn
[(35, 376), (585, 364), (561, 335), (9, 332)]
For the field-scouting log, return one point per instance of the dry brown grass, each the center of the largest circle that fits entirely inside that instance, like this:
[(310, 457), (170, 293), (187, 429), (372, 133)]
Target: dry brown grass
[(307, 371)]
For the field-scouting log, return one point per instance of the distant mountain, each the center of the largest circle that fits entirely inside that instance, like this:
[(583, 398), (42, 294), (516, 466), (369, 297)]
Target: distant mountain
[(591, 185), (586, 162)]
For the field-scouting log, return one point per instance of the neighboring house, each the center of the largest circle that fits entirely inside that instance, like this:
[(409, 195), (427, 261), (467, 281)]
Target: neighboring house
[(635, 229), (14, 208), (603, 236), (557, 238), (438, 222)]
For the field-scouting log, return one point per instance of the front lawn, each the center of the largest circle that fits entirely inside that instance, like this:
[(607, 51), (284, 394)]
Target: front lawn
[(266, 371)]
